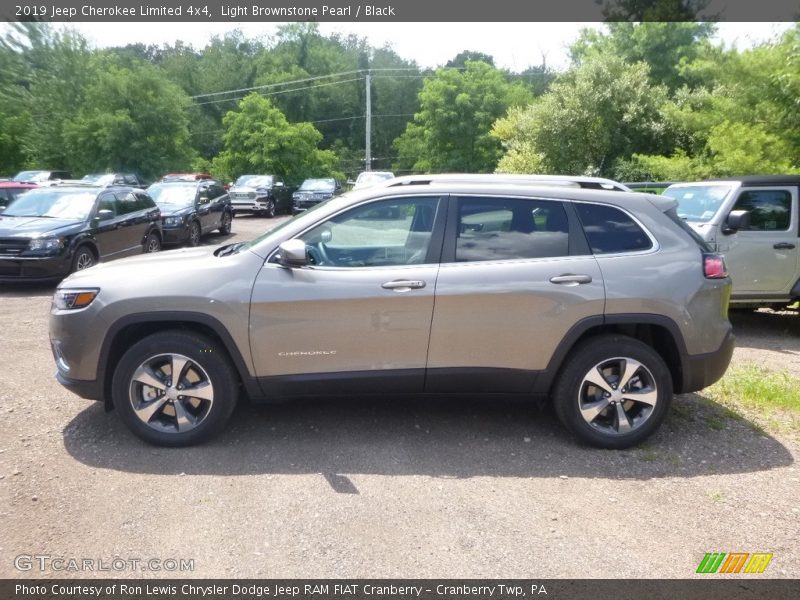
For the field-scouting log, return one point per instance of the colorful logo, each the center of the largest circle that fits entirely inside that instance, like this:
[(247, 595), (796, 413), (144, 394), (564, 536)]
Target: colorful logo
[(734, 562)]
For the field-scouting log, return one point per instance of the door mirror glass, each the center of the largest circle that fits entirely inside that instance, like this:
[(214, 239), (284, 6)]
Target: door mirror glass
[(105, 214)]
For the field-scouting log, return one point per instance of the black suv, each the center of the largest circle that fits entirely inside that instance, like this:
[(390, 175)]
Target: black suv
[(50, 232), (190, 209), (314, 191)]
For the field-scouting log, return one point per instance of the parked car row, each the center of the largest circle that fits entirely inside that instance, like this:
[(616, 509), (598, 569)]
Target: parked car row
[(47, 232)]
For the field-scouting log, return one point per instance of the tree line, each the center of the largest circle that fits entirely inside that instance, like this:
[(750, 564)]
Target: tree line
[(647, 101)]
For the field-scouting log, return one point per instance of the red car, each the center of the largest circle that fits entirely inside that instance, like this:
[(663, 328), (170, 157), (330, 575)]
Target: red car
[(9, 190)]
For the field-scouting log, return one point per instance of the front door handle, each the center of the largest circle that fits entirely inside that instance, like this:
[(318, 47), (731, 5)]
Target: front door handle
[(784, 246), (570, 279), (403, 285)]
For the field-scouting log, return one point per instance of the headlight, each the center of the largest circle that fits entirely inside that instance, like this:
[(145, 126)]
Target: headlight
[(73, 299), (173, 221), (46, 244)]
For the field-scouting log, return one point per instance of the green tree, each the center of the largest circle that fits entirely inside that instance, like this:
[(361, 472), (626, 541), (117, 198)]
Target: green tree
[(259, 139), (589, 119), (14, 99), (132, 119), (451, 131), (666, 47), (743, 119)]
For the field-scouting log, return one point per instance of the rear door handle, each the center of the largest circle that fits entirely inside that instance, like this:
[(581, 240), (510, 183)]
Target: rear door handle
[(784, 246), (571, 279), (403, 285)]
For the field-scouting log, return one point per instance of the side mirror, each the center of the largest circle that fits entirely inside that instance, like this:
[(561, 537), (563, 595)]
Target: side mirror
[(292, 253), (737, 219), (105, 214), (278, 184)]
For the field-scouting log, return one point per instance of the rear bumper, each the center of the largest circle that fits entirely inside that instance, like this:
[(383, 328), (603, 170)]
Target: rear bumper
[(702, 370)]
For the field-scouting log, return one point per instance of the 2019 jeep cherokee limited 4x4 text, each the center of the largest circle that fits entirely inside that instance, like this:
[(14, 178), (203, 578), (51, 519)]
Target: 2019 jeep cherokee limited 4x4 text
[(604, 302)]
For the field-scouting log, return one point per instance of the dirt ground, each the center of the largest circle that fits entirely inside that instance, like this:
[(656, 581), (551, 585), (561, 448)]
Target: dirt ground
[(385, 488)]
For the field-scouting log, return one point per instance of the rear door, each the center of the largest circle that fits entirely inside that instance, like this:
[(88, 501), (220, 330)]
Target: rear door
[(763, 259), (358, 318), (516, 275)]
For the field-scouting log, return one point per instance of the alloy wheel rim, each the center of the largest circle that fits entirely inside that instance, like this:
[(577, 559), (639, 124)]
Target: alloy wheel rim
[(85, 260), (171, 393), (152, 245), (194, 233), (617, 396)]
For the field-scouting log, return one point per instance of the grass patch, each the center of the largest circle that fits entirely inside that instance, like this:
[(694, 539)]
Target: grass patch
[(756, 387), (769, 399)]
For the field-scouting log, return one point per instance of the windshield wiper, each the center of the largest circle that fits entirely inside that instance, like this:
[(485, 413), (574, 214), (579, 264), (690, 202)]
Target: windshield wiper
[(230, 249)]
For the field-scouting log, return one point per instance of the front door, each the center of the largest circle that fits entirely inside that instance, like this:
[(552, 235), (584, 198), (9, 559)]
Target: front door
[(357, 318), (763, 258)]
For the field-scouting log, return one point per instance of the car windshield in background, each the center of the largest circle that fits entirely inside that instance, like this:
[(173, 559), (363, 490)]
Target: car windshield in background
[(99, 178), (173, 195), (318, 185), (698, 203), (56, 204), (254, 180), (371, 178)]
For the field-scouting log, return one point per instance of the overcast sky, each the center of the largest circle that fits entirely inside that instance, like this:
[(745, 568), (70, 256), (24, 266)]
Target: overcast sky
[(515, 46)]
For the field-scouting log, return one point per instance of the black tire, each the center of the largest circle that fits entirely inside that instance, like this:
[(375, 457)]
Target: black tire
[(629, 414), (152, 243), (225, 224), (194, 234), (270, 210), (83, 259), (206, 370)]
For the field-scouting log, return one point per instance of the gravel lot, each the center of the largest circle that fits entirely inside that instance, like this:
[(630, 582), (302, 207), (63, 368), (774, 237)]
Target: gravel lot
[(388, 487)]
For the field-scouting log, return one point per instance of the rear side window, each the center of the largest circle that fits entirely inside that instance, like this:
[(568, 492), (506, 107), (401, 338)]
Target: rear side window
[(127, 203), (510, 228), (770, 210), (611, 231)]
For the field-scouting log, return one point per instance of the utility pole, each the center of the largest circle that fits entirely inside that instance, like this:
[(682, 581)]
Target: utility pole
[(368, 141)]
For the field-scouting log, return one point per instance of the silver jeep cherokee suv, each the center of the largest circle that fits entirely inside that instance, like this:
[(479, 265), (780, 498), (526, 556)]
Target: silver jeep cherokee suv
[(604, 302)]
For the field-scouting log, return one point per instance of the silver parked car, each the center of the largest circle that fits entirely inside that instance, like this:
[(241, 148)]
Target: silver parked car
[(603, 302)]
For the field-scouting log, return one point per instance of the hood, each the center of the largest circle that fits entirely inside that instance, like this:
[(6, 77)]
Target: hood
[(248, 188), (11, 226), (168, 210)]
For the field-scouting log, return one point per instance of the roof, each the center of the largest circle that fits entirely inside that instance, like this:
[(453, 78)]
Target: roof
[(18, 184), (761, 179), (581, 181)]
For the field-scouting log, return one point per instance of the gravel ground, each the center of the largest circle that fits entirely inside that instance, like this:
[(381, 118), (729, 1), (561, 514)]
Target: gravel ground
[(388, 487)]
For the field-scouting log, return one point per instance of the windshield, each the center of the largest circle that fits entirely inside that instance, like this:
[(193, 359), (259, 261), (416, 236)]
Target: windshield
[(31, 176), (173, 194), (698, 203), (318, 185), (254, 180), (370, 177), (58, 204), (99, 178)]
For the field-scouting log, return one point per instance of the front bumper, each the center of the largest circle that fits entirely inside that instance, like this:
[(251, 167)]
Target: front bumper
[(34, 268), (175, 235), (91, 390)]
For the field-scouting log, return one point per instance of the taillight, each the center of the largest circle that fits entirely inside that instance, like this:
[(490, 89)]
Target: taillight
[(714, 266)]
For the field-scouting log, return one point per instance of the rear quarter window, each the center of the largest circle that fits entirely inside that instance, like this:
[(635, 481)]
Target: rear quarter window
[(610, 230)]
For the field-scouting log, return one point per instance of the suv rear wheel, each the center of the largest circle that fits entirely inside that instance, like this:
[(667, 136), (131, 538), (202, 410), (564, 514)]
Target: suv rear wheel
[(613, 392), (174, 388)]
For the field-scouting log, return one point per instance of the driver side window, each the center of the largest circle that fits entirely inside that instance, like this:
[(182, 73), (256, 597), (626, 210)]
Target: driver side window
[(383, 233)]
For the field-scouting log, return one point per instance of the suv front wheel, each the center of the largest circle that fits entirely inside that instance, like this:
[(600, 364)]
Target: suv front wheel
[(174, 388), (613, 392)]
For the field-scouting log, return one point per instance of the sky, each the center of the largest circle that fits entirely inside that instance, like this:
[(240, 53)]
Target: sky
[(514, 46)]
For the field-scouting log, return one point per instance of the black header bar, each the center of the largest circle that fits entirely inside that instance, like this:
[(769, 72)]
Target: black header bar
[(399, 10)]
